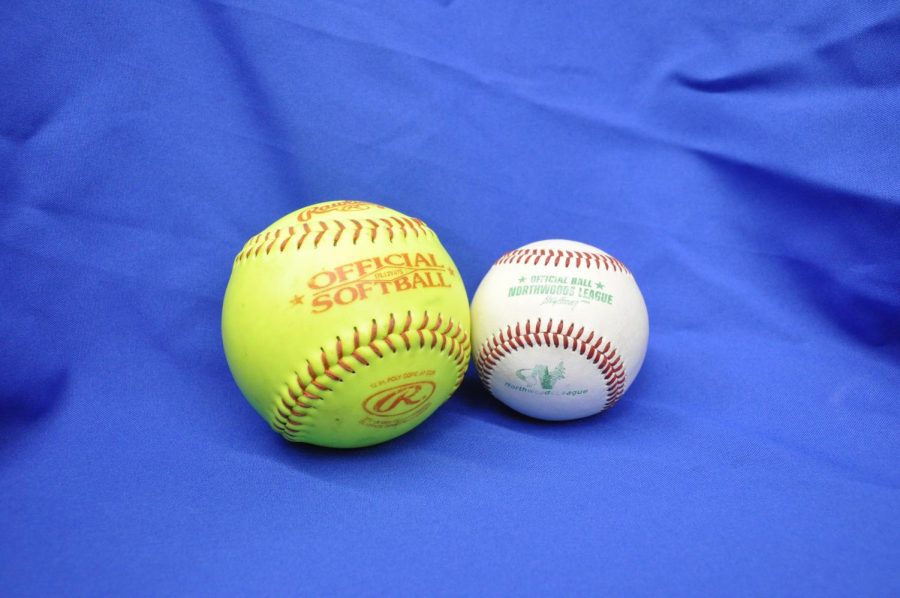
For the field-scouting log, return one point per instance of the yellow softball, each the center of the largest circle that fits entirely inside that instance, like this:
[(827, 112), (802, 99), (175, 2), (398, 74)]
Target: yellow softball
[(345, 324)]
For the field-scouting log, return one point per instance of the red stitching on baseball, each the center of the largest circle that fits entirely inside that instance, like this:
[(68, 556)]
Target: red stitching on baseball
[(545, 256), (453, 338), (600, 352)]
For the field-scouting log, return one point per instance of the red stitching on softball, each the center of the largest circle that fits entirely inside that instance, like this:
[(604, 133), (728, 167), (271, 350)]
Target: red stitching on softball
[(543, 257), (600, 352), (368, 227), (452, 337)]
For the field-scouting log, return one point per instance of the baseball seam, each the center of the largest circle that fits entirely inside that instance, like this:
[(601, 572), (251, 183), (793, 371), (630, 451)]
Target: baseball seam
[(563, 257), (593, 347), (292, 405), (296, 237)]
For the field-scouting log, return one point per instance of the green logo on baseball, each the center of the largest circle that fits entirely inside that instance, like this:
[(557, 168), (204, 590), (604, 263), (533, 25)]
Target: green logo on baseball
[(542, 375)]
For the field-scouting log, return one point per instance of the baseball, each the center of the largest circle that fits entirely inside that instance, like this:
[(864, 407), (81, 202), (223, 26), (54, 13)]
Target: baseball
[(345, 324), (559, 329)]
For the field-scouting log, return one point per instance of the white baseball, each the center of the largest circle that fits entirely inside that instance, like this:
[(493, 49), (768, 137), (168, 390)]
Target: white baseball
[(559, 328)]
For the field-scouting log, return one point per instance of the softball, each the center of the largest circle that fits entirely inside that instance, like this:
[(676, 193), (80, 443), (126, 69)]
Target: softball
[(559, 330), (345, 324)]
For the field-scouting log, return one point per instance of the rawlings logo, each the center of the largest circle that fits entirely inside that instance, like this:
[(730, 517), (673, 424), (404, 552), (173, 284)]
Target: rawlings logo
[(399, 400), (347, 205), (374, 276)]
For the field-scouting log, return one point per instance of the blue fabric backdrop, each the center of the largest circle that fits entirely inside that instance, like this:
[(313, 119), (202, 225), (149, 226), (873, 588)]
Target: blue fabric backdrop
[(742, 158)]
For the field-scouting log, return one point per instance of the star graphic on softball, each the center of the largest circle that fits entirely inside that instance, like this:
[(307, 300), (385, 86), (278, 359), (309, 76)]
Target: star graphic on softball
[(521, 279), (297, 300), (600, 285)]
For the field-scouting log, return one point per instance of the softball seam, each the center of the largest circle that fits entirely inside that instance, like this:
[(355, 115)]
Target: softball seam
[(292, 406), (593, 347), (296, 237), (564, 257)]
